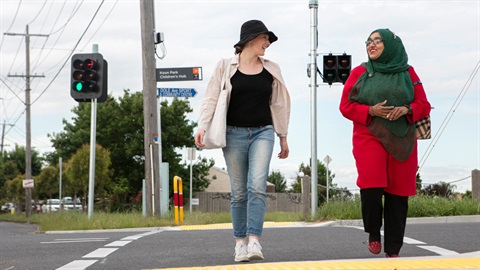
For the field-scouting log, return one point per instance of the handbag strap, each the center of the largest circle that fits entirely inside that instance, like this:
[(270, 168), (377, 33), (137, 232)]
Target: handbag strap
[(226, 71)]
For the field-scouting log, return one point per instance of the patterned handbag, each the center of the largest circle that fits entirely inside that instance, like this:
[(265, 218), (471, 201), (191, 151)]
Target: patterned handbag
[(423, 128)]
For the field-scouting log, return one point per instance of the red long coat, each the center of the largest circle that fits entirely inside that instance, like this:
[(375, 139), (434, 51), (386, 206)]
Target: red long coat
[(376, 168)]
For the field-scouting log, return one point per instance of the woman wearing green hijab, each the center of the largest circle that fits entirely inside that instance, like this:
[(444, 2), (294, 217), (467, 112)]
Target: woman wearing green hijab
[(383, 98)]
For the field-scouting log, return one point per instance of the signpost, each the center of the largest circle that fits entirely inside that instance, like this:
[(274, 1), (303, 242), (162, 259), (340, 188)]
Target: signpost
[(327, 160), (168, 75), (176, 92), (179, 74)]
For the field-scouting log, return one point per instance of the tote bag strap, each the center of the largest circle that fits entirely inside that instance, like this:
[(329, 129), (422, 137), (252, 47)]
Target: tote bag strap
[(226, 71)]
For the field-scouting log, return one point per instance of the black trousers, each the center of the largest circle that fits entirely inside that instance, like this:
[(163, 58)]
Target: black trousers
[(394, 210)]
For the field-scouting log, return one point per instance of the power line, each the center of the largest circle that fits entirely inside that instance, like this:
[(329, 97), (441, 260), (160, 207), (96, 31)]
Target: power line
[(62, 28), (40, 11), (454, 181), (101, 24), (13, 21), (71, 53), (455, 105)]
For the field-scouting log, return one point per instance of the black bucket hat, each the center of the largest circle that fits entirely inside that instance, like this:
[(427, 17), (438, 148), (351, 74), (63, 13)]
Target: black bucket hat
[(251, 29)]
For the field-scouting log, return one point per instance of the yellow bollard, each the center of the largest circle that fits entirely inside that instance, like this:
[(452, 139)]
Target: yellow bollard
[(175, 198), (180, 197)]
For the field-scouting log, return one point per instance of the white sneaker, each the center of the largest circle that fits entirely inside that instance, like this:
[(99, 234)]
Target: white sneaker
[(241, 252), (254, 250)]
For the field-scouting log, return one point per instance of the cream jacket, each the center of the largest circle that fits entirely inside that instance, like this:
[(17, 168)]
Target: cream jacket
[(279, 101)]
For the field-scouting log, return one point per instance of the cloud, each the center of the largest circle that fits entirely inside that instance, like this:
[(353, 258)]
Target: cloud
[(441, 37)]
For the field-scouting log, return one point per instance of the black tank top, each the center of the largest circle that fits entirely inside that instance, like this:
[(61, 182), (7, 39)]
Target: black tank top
[(250, 100)]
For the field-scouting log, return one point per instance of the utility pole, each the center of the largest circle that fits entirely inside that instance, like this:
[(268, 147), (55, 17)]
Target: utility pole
[(28, 147), (3, 137), (152, 167)]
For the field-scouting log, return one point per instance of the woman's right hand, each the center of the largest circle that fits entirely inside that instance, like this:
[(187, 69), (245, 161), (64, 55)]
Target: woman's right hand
[(199, 138), (380, 110)]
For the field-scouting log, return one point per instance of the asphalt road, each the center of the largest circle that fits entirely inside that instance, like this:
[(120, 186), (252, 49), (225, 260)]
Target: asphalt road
[(21, 247)]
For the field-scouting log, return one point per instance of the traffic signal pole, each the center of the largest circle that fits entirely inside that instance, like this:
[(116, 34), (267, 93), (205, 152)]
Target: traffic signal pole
[(313, 4), (93, 142)]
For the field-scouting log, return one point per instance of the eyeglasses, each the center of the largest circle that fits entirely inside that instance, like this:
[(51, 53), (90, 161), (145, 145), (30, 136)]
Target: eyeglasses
[(376, 41)]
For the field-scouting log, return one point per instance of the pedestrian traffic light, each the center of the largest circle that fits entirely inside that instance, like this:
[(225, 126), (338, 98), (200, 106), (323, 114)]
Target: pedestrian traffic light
[(329, 68), (89, 77), (344, 67), (336, 68)]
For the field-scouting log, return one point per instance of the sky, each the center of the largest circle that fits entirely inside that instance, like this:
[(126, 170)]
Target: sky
[(442, 39)]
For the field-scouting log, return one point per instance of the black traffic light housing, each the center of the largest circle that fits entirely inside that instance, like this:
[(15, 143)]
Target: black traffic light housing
[(89, 77), (336, 68), (329, 68)]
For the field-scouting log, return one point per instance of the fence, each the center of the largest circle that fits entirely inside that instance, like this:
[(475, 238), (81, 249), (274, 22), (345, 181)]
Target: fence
[(217, 202), (220, 202)]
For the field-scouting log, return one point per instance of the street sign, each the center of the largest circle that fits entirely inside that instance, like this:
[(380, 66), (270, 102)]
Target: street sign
[(179, 74), (28, 183), (195, 201), (327, 159), (176, 92)]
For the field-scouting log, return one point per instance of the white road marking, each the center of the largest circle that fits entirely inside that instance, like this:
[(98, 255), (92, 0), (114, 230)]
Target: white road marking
[(100, 253), (77, 265), (411, 241), (75, 240), (118, 244), (439, 250)]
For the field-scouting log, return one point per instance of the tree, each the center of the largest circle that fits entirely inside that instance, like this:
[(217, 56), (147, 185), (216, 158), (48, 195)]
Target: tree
[(418, 182), (18, 157), (8, 171), (13, 166), (177, 132), (47, 182), (322, 181), (200, 171), (278, 180), (441, 189), (120, 129), (14, 189), (78, 173)]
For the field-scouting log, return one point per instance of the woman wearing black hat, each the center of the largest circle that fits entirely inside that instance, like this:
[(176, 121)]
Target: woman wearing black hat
[(259, 106)]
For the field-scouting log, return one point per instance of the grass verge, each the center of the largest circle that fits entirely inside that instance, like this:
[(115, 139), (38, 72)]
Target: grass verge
[(419, 206)]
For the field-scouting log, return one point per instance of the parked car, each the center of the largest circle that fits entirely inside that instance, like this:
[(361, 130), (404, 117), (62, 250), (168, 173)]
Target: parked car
[(51, 205), (70, 204), (7, 207)]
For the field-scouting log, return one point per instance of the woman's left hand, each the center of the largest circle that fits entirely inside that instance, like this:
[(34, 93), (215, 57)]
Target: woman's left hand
[(283, 148), (396, 113)]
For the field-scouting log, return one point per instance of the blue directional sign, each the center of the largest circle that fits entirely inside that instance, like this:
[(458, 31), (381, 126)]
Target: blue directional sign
[(176, 92)]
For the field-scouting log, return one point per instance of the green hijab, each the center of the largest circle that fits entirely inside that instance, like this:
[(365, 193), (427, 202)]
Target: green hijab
[(387, 78)]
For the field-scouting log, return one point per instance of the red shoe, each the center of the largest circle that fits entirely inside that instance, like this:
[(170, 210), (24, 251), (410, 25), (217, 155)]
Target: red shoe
[(393, 255), (375, 247)]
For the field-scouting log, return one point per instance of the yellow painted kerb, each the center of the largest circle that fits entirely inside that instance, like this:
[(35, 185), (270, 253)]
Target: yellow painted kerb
[(401, 263)]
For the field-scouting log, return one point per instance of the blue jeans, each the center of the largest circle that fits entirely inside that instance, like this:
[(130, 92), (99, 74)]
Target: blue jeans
[(247, 155)]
